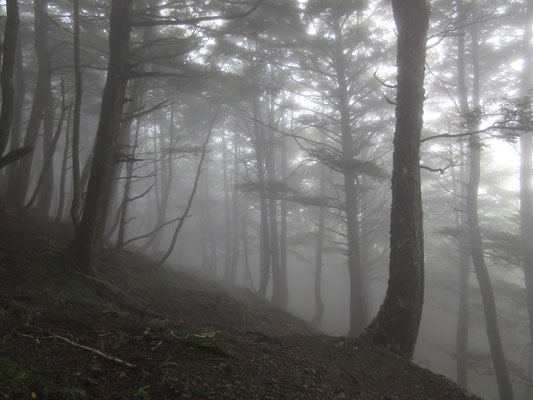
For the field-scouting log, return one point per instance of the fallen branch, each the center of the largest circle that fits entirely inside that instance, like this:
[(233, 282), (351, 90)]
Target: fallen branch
[(82, 346)]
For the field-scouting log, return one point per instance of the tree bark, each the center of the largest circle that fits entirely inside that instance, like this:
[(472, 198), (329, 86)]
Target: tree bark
[(46, 190), (76, 189), (127, 186), (8, 72), (89, 233), (48, 159), (396, 325), (63, 174), (20, 89), (39, 99)]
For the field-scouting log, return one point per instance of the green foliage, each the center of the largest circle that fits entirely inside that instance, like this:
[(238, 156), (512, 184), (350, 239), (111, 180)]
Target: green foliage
[(142, 393)]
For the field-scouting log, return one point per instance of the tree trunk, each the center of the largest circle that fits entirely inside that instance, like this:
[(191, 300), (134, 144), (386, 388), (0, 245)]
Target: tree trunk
[(526, 170), (166, 180), (127, 184), (264, 236), (461, 224), (63, 174), (89, 233), (76, 189), (40, 98), (46, 190), (273, 214), (358, 312), (236, 210), (20, 89), (485, 285), (8, 72), (228, 262), (319, 303), (396, 325), (284, 285), (44, 178), (476, 243), (461, 219)]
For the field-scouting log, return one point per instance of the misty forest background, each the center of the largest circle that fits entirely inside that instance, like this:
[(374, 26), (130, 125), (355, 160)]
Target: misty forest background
[(255, 146)]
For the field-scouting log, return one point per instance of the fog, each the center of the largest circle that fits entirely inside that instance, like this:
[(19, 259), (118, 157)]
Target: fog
[(234, 141)]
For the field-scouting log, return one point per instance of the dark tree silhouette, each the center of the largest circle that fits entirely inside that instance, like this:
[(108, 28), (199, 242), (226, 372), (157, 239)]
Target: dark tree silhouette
[(89, 233), (396, 325)]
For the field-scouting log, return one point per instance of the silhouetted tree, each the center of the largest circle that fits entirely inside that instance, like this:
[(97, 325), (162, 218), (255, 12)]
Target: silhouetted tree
[(396, 325)]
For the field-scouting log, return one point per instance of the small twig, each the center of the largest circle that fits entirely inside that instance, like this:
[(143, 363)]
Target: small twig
[(355, 380), (156, 346), (82, 346)]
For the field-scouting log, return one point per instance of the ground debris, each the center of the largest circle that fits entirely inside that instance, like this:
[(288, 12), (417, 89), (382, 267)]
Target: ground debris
[(197, 341)]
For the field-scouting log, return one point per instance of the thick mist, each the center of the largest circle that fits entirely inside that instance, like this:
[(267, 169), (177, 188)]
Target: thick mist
[(253, 145)]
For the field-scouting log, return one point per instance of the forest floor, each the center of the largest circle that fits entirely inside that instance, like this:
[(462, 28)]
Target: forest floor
[(144, 333)]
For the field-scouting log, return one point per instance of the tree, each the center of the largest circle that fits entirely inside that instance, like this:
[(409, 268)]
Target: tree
[(335, 63), (526, 167), (40, 97), (8, 71), (88, 239), (396, 325), (472, 116)]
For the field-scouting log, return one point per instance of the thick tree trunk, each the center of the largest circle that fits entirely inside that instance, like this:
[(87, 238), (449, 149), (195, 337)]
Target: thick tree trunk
[(89, 233), (40, 98), (8, 72), (396, 325)]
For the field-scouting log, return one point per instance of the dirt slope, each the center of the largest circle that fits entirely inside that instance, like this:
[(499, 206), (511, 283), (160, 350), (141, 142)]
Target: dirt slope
[(137, 333)]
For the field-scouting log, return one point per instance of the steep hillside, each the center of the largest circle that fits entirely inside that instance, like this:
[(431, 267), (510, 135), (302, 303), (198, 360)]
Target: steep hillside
[(136, 332)]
